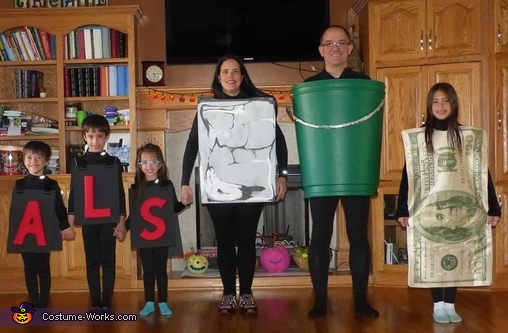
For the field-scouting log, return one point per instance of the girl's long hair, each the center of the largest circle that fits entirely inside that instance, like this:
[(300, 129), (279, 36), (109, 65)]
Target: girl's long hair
[(162, 174), (453, 131)]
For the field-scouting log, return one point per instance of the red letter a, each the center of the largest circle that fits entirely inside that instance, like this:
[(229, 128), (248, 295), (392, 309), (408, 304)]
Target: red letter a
[(31, 223)]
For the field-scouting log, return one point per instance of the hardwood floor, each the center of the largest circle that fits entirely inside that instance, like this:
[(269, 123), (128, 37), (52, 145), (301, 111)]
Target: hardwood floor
[(402, 310)]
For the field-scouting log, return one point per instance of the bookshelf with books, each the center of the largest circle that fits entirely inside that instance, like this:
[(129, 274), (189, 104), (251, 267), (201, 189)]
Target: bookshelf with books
[(46, 67), (82, 56)]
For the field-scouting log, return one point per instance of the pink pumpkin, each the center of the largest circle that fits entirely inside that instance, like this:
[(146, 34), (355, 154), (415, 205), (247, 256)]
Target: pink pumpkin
[(275, 259)]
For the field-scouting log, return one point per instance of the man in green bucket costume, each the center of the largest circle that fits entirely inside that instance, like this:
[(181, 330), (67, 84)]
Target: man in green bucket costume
[(335, 48)]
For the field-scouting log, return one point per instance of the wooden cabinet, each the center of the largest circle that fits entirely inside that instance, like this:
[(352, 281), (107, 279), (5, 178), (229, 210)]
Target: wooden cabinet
[(59, 22), (410, 30), (410, 46), (500, 26), (406, 100), (501, 117), (499, 72)]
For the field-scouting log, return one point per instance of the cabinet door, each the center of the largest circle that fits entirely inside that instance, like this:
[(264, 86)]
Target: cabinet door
[(453, 27), (406, 89), (465, 78), (501, 26), (501, 109), (398, 30)]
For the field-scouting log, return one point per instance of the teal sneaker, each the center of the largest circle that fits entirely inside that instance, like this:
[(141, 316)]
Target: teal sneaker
[(440, 316), (453, 316)]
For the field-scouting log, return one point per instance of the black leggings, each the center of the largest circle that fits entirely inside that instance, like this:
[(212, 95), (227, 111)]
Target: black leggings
[(356, 210), (100, 252), (37, 278), (236, 225), (444, 294), (154, 261)]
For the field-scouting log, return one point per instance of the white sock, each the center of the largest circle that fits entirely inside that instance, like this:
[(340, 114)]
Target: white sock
[(439, 305), (449, 306)]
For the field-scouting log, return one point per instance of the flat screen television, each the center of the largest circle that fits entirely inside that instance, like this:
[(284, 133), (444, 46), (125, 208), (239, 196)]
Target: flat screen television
[(201, 31)]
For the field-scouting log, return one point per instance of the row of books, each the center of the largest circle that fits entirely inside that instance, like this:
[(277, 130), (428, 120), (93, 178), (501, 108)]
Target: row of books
[(27, 43), (87, 81), (95, 42), (28, 82)]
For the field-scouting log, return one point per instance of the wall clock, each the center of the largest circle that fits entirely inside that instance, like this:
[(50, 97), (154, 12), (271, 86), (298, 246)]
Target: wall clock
[(153, 73)]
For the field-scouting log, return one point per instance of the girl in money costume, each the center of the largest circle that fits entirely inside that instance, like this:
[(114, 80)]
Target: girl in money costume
[(442, 115), (152, 171)]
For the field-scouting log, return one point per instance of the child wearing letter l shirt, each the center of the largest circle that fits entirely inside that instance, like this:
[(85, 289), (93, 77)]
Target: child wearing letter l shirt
[(97, 202)]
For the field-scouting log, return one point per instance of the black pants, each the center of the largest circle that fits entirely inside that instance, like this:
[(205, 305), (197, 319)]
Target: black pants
[(236, 225), (100, 252), (356, 210), (154, 261), (37, 278), (444, 294)]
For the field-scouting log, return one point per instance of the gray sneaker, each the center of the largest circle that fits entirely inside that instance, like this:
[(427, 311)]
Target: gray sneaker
[(227, 305), (247, 304)]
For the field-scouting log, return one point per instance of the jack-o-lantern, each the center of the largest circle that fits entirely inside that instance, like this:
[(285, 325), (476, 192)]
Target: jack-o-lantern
[(275, 259), (24, 314), (197, 264)]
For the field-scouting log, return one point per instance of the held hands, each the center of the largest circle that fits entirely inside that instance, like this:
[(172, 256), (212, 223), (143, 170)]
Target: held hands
[(68, 234), (281, 188), (120, 231), (404, 221), (493, 220), (186, 195)]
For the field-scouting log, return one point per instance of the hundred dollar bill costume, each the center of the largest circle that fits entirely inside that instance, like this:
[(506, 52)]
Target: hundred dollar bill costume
[(449, 196)]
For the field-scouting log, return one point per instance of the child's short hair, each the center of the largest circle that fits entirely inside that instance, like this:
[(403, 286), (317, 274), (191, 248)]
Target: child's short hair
[(39, 148), (95, 123)]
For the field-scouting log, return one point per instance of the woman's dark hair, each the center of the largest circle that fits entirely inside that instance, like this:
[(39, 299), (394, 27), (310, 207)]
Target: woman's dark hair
[(247, 88), (39, 148), (162, 174), (454, 133)]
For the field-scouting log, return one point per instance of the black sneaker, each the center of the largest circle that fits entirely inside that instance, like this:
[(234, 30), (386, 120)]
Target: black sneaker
[(227, 304), (247, 304)]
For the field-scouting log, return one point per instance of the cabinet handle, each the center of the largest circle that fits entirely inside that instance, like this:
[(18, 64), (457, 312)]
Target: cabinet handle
[(422, 47), (423, 119), (500, 200), (430, 39), (499, 121), (499, 34)]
